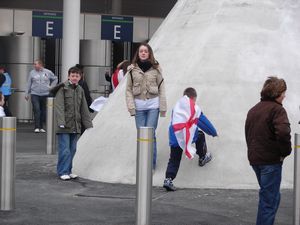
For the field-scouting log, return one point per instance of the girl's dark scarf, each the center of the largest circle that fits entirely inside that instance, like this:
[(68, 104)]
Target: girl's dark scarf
[(144, 65)]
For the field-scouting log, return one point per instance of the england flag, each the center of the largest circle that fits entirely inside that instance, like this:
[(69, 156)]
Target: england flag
[(185, 117)]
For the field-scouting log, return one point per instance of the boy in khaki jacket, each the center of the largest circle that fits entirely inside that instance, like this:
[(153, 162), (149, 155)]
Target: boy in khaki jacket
[(71, 111)]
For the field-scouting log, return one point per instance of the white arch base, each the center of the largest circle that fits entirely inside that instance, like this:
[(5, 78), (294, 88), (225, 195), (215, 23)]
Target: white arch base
[(225, 49)]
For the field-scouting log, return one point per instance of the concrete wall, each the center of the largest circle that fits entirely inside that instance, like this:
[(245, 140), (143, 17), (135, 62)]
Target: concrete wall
[(225, 49)]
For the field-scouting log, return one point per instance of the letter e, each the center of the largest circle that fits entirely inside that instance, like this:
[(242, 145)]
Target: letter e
[(49, 28), (117, 31)]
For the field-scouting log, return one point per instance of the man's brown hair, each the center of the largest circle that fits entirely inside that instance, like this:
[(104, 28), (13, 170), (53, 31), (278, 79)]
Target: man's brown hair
[(39, 61), (273, 88)]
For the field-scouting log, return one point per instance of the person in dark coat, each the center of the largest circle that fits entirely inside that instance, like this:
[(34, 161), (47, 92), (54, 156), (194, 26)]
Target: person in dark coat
[(267, 131), (85, 87), (86, 90)]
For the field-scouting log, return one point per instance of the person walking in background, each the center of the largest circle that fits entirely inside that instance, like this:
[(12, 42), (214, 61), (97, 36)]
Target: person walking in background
[(71, 111), (85, 87), (40, 80), (267, 131), (119, 73), (186, 120), (5, 88), (145, 91), (86, 90), (108, 79)]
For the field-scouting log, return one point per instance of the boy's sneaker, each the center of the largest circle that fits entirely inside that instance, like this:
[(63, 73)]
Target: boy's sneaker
[(65, 177), (168, 184), (42, 130), (73, 176), (36, 130), (205, 159)]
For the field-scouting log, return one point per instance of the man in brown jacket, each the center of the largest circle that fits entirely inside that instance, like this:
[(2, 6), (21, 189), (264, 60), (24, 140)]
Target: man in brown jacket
[(268, 138)]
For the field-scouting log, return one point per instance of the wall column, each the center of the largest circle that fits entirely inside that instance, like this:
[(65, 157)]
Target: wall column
[(71, 36)]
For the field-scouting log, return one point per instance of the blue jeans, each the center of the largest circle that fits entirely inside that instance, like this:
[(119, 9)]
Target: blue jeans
[(39, 110), (66, 151), (148, 118), (269, 179)]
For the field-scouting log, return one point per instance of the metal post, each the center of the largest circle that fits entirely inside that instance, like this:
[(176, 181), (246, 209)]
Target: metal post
[(8, 158), (144, 175), (297, 180), (50, 127)]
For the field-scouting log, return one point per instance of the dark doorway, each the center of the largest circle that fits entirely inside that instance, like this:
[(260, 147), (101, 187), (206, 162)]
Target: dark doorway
[(117, 54), (51, 55)]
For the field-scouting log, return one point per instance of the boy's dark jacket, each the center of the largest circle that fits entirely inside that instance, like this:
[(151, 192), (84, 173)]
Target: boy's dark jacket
[(70, 108), (267, 131)]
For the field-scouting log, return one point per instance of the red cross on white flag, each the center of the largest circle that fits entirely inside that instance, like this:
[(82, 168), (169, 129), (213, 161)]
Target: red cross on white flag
[(184, 121)]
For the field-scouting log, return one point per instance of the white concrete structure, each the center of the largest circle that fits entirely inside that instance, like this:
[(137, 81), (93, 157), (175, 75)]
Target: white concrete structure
[(225, 49), (71, 36)]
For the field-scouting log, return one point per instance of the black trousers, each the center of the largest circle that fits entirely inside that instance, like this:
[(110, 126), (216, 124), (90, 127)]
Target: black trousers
[(5, 106), (176, 155)]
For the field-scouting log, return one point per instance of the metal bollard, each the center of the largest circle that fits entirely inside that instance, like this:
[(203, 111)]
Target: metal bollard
[(8, 158), (297, 180), (50, 127), (144, 175)]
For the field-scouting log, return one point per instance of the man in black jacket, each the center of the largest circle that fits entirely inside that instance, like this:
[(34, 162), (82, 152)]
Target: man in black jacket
[(268, 138), (86, 90)]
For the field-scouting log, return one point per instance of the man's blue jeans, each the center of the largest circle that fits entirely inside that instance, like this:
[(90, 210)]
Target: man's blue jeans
[(39, 110), (66, 151), (148, 118), (269, 179)]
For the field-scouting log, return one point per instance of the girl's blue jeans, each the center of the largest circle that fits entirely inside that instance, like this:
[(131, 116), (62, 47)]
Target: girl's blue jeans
[(148, 118)]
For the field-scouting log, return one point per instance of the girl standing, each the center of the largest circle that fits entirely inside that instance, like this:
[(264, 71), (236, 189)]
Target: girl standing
[(145, 91)]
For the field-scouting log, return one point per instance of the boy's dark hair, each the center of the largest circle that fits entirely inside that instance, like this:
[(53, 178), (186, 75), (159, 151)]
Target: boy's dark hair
[(273, 88), (79, 66), (190, 92), (74, 69)]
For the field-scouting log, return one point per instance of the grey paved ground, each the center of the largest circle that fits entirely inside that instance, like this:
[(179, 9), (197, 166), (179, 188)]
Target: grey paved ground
[(42, 199)]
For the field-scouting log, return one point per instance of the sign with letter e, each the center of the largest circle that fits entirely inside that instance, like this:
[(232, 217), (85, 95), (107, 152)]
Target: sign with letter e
[(47, 24), (116, 28)]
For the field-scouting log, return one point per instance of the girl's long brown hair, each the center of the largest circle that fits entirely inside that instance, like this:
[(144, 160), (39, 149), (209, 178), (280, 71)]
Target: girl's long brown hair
[(151, 56)]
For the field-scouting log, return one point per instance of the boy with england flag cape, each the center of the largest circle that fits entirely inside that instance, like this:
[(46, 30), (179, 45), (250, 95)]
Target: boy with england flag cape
[(186, 121)]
